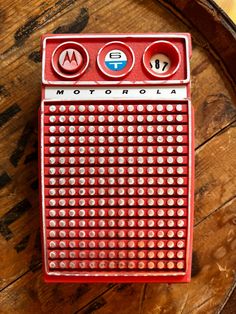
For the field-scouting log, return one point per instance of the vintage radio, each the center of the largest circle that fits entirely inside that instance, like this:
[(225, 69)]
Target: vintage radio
[(117, 158)]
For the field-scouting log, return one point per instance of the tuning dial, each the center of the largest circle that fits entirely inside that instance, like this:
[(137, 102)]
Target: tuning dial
[(161, 59), (115, 59)]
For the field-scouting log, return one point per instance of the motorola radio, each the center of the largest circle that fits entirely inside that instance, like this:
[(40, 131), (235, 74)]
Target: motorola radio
[(117, 158)]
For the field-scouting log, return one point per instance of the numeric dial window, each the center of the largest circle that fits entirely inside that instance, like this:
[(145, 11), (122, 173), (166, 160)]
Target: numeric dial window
[(161, 59), (160, 63)]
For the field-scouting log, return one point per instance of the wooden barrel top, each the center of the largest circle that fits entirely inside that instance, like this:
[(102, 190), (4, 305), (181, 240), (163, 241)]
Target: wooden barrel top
[(213, 94)]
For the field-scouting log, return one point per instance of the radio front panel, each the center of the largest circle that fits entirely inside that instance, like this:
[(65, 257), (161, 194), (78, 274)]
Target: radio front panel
[(116, 148)]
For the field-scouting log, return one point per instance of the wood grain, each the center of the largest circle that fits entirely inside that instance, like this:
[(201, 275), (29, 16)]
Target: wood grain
[(215, 173), (215, 27), (23, 291), (230, 304), (32, 295)]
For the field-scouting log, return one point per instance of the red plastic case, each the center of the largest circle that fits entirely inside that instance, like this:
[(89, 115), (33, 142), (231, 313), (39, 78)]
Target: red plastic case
[(116, 158)]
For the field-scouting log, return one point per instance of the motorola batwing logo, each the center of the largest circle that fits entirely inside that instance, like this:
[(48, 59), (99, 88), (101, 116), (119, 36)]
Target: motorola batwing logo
[(70, 60)]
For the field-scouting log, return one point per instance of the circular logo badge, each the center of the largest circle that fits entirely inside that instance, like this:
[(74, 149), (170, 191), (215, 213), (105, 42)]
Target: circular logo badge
[(116, 60), (70, 60)]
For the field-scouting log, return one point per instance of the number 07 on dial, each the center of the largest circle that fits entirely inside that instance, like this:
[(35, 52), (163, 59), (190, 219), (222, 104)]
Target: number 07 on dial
[(116, 158)]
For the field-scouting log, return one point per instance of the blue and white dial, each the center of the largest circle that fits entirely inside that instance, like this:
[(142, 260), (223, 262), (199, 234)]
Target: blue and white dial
[(116, 60)]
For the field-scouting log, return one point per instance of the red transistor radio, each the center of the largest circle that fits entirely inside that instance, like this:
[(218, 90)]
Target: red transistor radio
[(117, 158)]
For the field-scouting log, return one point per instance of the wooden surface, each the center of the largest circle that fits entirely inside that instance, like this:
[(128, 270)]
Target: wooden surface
[(214, 257), (229, 7)]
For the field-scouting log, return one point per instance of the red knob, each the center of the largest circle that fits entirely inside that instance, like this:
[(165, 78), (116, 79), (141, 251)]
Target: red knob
[(70, 60)]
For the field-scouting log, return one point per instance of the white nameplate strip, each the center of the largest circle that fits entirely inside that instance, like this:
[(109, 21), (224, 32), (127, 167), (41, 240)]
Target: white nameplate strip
[(117, 93)]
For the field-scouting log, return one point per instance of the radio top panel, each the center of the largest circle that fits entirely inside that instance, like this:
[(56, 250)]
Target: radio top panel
[(102, 59)]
